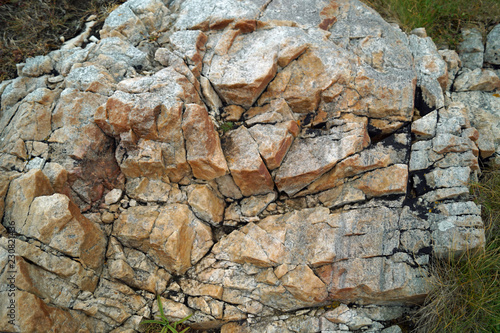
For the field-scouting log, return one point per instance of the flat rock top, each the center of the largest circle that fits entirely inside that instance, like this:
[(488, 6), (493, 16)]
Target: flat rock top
[(243, 159)]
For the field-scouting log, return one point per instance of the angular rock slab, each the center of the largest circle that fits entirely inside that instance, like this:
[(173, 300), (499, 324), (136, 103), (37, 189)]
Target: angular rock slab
[(171, 235), (247, 168), (321, 154), (492, 52), (241, 69), (345, 249), (214, 14), (204, 152), (138, 113), (57, 222)]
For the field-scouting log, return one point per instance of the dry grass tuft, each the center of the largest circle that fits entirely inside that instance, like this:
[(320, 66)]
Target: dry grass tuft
[(465, 294), (443, 19), (35, 27)]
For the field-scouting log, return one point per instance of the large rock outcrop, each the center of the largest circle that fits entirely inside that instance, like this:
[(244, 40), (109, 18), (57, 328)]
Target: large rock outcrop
[(249, 164)]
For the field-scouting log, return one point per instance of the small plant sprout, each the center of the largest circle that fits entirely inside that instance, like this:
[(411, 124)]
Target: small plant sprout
[(164, 322), (227, 126)]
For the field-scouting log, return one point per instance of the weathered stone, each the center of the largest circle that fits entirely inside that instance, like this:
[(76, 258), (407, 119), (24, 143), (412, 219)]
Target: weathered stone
[(255, 205), (445, 193), (415, 240), (242, 72), (314, 291), (393, 329), (116, 54), (172, 61), (233, 112), (134, 226), (57, 175), (350, 317), (247, 168), (135, 269), (196, 14), (135, 20), (492, 52), (341, 195), (43, 316), (453, 63), (22, 191), (454, 235), (195, 288), (33, 116), (206, 205), (444, 143), (484, 112), (190, 43), (386, 181), (425, 127), (293, 175), (82, 148), (301, 82), (15, 90), (57, 222), (397, 275), (228, 188), (276, 111), (113, 196), (212, 99), (145, 159), (154, 190), (35, 66), (432, 74), (5, 179), (172, 235), (368, 159), (478, 79), (450, 177), (274, 141), (64, 267), (204, 152), (112, 302), (471, 49), (91, 79)]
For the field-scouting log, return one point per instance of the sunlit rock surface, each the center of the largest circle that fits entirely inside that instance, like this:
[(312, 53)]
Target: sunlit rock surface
[(249, 161)]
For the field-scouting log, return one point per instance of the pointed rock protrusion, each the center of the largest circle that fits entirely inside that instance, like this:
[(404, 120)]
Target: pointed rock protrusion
[(247, 168), (204, 152)]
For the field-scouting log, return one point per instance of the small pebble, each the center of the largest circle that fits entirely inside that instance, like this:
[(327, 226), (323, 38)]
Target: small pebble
[(107, 217)]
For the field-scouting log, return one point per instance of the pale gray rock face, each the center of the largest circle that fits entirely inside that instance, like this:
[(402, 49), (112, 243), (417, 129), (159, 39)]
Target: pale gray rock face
[(453, 62), (135, 20), (471, 49), (248, 161), (214, 14), (484, 113), (432, 74), (492, 52), (478, 79)]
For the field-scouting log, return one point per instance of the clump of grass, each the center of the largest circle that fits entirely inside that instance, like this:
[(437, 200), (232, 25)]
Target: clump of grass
[(34, 27), (443, 19), (164, 325), (466, 291), (226, 126)]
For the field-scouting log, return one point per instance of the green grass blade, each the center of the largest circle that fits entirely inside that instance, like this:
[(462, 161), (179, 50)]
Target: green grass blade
[(150, 321), (171, 329), (183, 320), (162, 314)]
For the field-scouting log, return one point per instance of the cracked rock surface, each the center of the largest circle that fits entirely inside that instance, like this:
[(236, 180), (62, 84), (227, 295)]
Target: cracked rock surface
[(252, 162)]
